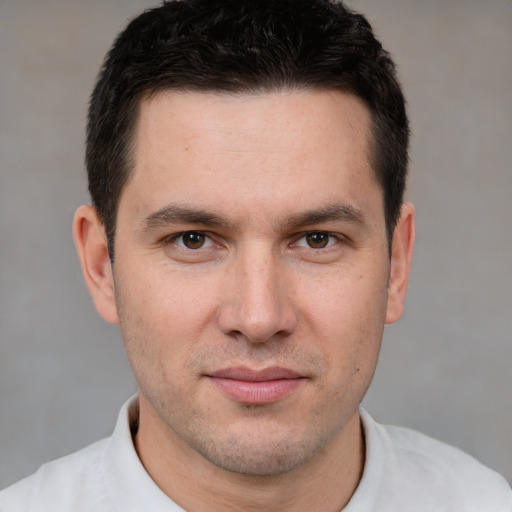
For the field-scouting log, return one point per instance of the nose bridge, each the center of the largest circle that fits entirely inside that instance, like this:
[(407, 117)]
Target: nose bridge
[(258, 305), (260, 278)]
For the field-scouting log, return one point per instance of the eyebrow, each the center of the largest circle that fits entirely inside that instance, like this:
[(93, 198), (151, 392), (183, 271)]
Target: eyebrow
[(331, 212), (177, 214)]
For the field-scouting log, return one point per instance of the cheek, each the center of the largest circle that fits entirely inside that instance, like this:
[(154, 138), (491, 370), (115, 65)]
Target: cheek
[(162, 319), (347, 318), (167, 303), (348, 300)]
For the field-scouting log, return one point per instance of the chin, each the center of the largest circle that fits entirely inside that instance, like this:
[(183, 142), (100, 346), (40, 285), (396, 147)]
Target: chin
[(266, 455)]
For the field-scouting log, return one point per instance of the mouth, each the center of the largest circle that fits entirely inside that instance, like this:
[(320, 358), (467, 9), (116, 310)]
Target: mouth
[(256, 387)]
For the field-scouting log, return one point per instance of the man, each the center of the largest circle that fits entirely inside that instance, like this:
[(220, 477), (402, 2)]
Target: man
[(247, 164)]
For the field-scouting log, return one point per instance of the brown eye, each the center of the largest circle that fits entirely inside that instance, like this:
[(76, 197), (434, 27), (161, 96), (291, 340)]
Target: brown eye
[(317, 239), (192, 239)]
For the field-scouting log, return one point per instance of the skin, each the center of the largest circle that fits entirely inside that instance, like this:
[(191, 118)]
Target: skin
[(262, 181)]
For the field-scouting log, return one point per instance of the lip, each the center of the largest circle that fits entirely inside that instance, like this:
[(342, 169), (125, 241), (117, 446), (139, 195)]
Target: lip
[(256, 387)]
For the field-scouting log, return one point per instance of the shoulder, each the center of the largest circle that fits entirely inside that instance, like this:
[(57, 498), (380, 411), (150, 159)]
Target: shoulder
[(437, 474), (59, 485), (447, 465)]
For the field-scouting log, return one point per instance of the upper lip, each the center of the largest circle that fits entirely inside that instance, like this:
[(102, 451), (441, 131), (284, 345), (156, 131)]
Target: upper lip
[(250, 375)]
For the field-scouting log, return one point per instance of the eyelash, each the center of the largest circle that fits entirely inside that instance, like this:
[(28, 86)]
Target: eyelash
[(174, 238), (333, 239)]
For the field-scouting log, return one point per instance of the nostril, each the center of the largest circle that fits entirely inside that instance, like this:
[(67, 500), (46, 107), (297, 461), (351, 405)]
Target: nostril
[(259, 336)]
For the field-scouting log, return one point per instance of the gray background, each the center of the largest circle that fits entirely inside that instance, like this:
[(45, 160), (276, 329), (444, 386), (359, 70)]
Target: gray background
[(445, 368)]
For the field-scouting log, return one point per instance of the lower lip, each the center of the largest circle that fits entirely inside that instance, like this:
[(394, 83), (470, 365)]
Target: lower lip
[(257, 393)]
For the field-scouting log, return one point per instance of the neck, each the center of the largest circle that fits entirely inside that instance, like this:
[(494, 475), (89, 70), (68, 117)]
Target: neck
[(326, 482)]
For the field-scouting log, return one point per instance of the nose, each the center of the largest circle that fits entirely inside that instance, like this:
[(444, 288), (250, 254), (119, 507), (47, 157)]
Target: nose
[(257, 301)]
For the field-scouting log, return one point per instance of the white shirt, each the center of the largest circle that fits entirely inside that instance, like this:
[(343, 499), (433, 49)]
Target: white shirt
[(404, 471)]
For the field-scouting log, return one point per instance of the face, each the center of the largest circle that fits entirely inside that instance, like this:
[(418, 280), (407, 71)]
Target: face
[(252, 273)]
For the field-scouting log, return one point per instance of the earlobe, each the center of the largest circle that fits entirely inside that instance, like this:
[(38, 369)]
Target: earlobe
[(401, 257), (91, 244)]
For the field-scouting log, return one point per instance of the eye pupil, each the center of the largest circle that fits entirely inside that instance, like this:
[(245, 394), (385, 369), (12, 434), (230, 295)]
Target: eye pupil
[(193, 240), (317, 240)]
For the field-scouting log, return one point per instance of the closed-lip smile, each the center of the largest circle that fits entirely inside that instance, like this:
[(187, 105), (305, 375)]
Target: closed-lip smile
[(256, 387)]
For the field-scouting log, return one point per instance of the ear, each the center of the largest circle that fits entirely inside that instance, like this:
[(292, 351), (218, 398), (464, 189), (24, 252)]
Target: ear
[(91, 244), (401, 257)]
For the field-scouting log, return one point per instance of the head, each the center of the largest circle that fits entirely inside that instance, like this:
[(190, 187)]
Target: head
[(242, 47), (248, 160)]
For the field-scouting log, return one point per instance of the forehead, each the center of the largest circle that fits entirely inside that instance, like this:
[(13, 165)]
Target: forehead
[(259, 148), (252, 118)]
